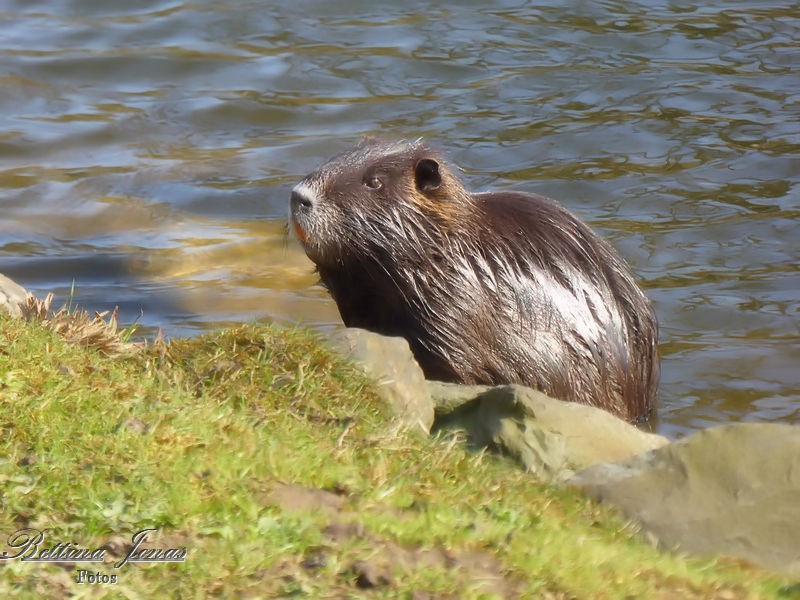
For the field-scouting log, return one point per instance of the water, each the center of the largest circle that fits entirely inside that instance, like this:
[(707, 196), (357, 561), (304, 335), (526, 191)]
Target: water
[(147, 151)]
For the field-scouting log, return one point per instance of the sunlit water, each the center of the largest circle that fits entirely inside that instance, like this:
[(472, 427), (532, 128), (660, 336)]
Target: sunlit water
[(147, 150)]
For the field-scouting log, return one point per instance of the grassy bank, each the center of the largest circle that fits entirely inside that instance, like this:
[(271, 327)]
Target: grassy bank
[(272, 463)]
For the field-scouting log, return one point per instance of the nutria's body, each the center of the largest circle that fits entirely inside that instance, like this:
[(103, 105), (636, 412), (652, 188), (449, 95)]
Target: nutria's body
[(504, 287)]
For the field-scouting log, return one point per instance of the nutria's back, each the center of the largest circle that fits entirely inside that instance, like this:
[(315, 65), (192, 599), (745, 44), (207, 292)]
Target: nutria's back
[(503, 287)]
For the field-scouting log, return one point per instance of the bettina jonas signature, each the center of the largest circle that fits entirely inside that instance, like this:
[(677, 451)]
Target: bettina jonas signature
[(28, 545)]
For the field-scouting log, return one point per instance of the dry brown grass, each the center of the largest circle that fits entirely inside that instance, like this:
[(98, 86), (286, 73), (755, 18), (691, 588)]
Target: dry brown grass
[(77, 326)]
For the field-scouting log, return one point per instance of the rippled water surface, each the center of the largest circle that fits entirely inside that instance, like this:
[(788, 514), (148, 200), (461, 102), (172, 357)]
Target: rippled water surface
[(147, 150)]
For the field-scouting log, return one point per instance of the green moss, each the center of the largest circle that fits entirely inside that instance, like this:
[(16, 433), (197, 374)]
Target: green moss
[(196, 438)]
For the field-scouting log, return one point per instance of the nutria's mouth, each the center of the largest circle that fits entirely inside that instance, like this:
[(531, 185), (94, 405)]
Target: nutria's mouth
[(300, 232), (300, 208)]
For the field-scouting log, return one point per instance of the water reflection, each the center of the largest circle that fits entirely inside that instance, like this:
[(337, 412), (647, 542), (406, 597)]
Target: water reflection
[(147, 152)]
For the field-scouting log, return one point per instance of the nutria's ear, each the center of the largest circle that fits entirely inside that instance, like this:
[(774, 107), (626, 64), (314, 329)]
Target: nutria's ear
[(427, 176)]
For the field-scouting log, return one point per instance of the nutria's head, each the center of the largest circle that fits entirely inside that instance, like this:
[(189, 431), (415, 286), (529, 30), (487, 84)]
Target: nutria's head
[(382, 193)]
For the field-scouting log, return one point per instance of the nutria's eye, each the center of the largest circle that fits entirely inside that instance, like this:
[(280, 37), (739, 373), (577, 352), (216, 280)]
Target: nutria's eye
[(374, 183)]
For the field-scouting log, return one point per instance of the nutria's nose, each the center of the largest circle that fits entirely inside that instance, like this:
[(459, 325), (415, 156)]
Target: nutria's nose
[(300, 201)]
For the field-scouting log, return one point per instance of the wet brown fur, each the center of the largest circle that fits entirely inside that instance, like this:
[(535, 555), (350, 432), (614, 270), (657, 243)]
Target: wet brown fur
[(491, 288)]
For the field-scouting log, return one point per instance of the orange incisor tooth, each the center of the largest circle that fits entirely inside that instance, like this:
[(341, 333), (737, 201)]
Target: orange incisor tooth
[(301, 233)]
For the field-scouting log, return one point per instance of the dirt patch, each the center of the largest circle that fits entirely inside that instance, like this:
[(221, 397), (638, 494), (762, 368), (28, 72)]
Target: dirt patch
[(389, 561), (370, 574), (371, 562), (341, 532), (297, 498)]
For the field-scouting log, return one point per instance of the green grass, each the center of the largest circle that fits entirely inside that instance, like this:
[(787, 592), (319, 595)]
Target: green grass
[(223, 444)]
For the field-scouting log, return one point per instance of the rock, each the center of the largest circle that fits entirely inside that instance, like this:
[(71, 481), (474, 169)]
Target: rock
[(388, 360), (11, 296), (552, 438), (733, 490)]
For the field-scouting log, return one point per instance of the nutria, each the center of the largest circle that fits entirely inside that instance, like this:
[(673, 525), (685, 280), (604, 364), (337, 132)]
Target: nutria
[(488, 288)]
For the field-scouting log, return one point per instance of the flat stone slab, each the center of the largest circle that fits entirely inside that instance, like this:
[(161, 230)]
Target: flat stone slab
[(731, 490), (552, 438)]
